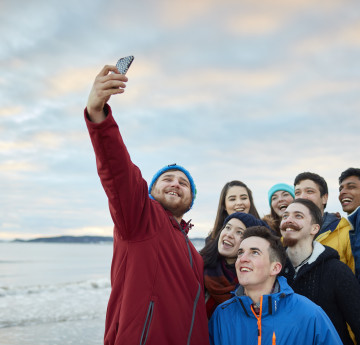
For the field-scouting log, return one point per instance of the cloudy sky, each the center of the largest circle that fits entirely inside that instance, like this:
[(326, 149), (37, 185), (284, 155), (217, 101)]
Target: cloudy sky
[(235, 89)]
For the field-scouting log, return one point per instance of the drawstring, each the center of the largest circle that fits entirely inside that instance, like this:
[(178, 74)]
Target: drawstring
[(274, 339)]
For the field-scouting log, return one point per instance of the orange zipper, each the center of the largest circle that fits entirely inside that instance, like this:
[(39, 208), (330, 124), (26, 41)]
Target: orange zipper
[(258, 318)]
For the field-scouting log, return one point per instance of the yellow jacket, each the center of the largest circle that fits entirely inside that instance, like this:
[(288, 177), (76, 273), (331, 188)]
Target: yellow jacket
[(340, 241)]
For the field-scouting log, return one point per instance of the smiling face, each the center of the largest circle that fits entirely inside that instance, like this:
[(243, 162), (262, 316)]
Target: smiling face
[(349, 196), (280, 200), (173, 191), (308, 189), (237, 200), (296, 225), (254, 269), (230, 238)]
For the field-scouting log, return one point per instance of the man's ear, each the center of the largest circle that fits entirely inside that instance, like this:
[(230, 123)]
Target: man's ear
[(315, 228), (275, 268), (324, 199)]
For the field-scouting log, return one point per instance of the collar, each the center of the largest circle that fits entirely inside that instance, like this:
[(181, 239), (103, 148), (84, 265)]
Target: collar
[(182, 226)]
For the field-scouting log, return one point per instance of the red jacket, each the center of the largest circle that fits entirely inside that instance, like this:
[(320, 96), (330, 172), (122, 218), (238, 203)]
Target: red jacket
[(157, 294)]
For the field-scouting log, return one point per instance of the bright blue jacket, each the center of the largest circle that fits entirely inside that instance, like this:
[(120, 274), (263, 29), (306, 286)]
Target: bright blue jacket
[(354, 234), (286, 318)]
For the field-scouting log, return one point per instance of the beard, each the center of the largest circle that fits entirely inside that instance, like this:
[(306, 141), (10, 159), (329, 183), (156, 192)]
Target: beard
[(178, 210), (289, 242)]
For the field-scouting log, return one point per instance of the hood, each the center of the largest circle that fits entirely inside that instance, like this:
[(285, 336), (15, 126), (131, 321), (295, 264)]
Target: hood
[(319, 255), (330, 222)]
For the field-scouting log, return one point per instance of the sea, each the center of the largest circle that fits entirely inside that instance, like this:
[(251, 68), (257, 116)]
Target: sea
[(54, 293)]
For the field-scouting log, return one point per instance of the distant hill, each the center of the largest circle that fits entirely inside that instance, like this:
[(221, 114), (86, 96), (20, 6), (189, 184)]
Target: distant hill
[(197, 242)]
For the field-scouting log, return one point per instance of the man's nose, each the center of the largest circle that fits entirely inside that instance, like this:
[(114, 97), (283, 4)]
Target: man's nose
[(244, 257), (175, 183), (301, 195), (342, 192)]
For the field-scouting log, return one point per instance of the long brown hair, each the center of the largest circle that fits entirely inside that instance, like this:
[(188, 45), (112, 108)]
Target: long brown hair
[(221, 211)]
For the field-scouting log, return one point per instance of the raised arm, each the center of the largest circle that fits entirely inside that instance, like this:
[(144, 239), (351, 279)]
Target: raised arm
[(105, 85), (122, 181)]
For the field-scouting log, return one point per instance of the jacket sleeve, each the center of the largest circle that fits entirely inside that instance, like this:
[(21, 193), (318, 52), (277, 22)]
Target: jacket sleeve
[(121, 179), (354, 234), (215, 329)]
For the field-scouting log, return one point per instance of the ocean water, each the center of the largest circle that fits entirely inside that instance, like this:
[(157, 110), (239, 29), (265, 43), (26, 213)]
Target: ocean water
[(53, 293)]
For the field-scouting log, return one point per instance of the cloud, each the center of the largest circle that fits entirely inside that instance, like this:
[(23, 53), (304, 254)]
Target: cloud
[(18, 166), (256, 91)]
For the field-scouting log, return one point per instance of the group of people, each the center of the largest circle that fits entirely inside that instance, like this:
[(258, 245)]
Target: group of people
[(289, 277)]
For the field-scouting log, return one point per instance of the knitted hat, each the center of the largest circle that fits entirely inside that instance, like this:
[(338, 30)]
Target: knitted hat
[(247, 219), (174, 167), (280, 186)]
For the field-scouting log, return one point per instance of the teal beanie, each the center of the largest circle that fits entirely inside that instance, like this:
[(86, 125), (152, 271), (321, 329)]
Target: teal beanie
[(280, 186)]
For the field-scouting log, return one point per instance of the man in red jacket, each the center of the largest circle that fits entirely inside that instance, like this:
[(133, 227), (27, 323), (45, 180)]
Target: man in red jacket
[(157, 294)]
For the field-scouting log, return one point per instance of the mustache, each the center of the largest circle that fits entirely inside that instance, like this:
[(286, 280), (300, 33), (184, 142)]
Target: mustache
[(290, 225)]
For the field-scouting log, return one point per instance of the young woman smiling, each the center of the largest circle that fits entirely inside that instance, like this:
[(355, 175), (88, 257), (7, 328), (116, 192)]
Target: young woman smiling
[(234, 197), (219, 257), (280, 196)]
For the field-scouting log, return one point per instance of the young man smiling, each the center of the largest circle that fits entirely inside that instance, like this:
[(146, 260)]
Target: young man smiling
[(349, 196), (315, 271), (265, 310), (334, 232), (157, 294)]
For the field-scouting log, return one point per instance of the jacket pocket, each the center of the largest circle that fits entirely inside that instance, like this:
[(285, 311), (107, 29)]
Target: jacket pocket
[(147, 323)]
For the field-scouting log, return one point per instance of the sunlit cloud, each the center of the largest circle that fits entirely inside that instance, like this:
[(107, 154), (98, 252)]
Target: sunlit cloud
[(90, 231), (10, 111), (19, 166), (70, 81)]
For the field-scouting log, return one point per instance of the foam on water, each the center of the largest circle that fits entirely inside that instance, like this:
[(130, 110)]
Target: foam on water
[(38, 304)]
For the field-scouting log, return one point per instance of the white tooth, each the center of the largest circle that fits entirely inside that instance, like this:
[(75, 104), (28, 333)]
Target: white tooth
[(244, 270)]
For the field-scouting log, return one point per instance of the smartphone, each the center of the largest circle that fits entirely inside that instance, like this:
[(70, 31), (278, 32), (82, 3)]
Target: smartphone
[(124, 63)]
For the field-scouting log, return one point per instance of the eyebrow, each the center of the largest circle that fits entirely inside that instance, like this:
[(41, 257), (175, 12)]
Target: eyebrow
[(180, 177), (252, 248), (295, 212), (232, 195), (305, 188)]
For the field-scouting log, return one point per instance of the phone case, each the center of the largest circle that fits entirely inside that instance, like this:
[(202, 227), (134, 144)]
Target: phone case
[(124, 63)]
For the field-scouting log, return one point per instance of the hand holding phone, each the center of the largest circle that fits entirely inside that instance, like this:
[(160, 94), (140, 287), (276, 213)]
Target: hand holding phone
[(124, 63)]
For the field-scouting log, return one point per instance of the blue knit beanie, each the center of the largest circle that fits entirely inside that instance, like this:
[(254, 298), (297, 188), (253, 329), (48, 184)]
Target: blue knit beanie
[(247, 219), (174, 167), (280, 186)]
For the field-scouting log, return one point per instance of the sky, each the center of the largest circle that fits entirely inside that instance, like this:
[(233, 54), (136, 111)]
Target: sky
[(256, 91)]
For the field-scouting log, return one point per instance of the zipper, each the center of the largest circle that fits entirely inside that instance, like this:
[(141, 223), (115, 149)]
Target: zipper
[(193, 315), (145, 332), (258, 318)]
